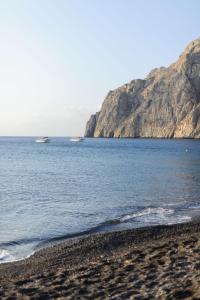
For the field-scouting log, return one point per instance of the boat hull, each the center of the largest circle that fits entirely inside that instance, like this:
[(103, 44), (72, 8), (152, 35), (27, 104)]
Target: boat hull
[(42, 140)]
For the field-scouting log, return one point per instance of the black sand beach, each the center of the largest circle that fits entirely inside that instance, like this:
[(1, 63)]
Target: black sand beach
[(161, 262)]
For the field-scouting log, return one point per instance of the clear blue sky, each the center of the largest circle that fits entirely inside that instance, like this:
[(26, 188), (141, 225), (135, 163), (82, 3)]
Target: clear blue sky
[(58, 59)]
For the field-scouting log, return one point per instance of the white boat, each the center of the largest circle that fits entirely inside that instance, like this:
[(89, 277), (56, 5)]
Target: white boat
[(77, 139), (42, 139)]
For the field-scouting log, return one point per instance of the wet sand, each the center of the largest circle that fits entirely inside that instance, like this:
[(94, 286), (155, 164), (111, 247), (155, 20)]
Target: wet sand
[(161, 262)]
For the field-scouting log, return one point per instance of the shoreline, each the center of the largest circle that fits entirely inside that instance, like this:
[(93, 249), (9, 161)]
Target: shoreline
[(170, 248)]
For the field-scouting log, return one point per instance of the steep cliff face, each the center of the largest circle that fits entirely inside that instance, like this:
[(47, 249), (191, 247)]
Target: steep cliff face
[(165, 104)]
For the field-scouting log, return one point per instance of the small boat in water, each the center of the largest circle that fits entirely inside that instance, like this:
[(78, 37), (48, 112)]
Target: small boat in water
[(42, 139), (77, 139)]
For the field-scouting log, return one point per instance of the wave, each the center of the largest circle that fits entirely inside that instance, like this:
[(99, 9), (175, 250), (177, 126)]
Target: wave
[(156, 215), (160, 211), (21, 241), (6, 256), (146, 216), (180, 219), (143, 217)]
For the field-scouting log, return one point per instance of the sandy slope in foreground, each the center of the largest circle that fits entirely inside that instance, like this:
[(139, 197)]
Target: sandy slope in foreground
[(161, 262)]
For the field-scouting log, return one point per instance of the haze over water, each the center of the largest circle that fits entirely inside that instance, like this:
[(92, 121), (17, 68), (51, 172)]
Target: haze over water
[(50, 192)]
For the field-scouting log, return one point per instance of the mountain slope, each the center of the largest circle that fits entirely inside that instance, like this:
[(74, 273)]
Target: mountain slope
[(165, 104)]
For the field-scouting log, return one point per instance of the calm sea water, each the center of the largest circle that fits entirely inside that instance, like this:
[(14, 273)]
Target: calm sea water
[(50, 192)]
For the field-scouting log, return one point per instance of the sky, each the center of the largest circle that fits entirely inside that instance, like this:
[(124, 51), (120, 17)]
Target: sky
[(59, 58)]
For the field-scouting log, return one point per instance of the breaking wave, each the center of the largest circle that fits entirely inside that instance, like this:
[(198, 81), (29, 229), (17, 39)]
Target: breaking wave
[(142, 217), (6, 256), (159, 211)]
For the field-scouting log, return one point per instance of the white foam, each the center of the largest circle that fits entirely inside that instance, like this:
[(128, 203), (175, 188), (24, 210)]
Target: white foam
[(156, 215), (6, 256), (194, 206), (160, 211), (182, 219)]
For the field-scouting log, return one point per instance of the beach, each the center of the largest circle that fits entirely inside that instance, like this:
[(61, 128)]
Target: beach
[(158, 262)]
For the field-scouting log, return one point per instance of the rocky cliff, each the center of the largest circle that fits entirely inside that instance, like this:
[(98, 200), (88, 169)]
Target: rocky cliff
[(165, 104)]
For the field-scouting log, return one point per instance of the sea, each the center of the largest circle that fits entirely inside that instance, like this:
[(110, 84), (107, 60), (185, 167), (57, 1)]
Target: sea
[(59, 190)]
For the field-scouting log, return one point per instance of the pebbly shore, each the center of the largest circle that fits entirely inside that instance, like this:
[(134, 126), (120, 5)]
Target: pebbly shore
[(159, 262)]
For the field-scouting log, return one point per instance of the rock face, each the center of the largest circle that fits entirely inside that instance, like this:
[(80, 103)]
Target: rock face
[(166, 104)]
